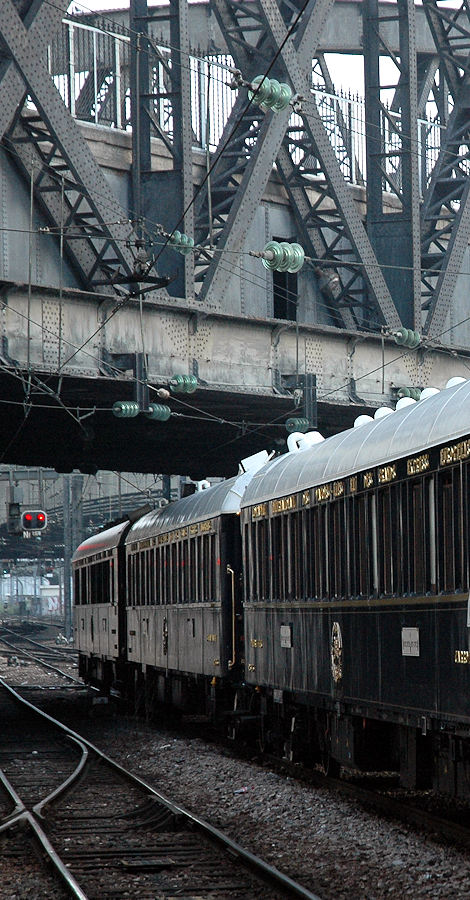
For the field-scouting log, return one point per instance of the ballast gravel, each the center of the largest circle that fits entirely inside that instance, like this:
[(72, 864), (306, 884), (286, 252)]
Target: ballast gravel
[(336, 850)]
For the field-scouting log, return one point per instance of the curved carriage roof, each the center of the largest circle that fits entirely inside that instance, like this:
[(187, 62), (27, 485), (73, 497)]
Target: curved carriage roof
[(428, 423), (217, 500), (104, 540)]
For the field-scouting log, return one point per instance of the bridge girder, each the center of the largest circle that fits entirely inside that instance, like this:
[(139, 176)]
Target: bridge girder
[(73, 194), (60, 415)]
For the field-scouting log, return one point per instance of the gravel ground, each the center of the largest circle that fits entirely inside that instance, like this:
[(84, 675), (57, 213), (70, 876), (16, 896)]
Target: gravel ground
[(318, 838)]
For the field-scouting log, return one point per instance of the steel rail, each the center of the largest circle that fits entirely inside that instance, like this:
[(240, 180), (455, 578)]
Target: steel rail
[(70, 882), (62, 788), (21, 814), (41, 662), (19, 805), (249, 859), (64, 651)]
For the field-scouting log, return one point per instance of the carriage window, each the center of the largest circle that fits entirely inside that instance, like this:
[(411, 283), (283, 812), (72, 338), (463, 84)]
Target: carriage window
[(386, 536), (416, 555), (309, 552), (136, 579), (100, 582), (192, 567), (185, 570), (262, 536), (173, 586), (182, 595), (156, 575), (167, 573), (281, 556), (320, 551), (206, 558), (450, 529), (199, 572), (130, 595), (297, 519), (150, 575), (81, 579), (215, 562), (364, 543), (275, 553), (286, 558), (337, 568), (253, 564)]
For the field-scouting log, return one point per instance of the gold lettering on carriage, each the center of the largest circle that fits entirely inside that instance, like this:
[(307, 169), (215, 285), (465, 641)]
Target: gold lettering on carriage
[(387, 473), (261, 509), (323, 492), (353, 484), (462, 656), (180, 533), (368, 479), (306, 498), (284, 503), (338, 489), (455, 453), (418, 464)]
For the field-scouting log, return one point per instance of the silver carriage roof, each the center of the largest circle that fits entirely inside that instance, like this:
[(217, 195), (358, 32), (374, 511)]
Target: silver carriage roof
[(428, 423), (217, 500), (104, 540)]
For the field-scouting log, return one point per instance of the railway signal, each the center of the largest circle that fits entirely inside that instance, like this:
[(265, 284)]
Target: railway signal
[(34, 520)]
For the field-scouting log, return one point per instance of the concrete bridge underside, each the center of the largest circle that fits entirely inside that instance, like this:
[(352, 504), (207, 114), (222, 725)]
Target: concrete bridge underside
[(57, 397)]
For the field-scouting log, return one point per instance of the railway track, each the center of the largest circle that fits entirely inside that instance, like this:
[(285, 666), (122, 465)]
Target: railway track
[(45, 655), (105, 832), (48, 650)]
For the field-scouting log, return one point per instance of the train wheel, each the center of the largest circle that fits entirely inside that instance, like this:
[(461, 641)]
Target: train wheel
[(330, 766)]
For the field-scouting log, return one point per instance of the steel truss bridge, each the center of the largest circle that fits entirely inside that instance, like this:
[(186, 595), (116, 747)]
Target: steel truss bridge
[(117, 134)]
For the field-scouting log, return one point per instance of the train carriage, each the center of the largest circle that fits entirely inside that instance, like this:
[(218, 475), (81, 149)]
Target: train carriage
[(183, 601), (98, 616), (356, 560)]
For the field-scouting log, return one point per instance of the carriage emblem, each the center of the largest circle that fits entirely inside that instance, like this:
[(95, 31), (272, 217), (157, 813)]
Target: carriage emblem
[(336, 652)]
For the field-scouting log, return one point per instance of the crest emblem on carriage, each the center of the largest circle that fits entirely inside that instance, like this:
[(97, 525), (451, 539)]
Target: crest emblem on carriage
[(336, 652)]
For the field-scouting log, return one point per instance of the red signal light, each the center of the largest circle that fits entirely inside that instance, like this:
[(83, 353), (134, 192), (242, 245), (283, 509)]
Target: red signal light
[(33, 520)]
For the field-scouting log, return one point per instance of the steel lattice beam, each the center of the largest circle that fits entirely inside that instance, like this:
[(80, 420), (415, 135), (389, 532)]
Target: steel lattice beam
[(446, 219), (69, 185), (446, 206), (295, 61), (395, 235)]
